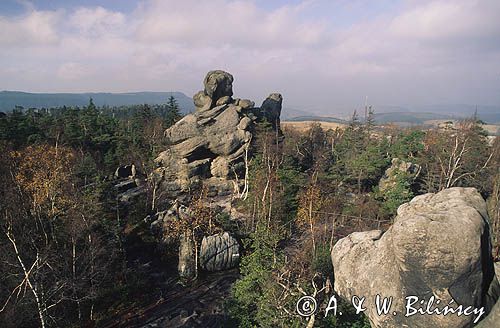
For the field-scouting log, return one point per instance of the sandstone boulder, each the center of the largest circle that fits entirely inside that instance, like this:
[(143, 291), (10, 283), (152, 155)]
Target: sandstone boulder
[(219, 252), (218, 84), (439, 246)]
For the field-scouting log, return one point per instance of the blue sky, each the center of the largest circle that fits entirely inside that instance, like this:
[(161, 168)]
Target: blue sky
[(17, 7), (323, 55)]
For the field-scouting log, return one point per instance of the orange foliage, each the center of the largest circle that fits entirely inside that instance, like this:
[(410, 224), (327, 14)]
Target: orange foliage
[(44, 173)]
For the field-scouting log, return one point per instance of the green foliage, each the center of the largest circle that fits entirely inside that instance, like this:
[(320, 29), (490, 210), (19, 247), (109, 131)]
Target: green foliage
[(341, 168), (292, 179), (172, 113), (348, 319), (224, 221), (108, 136), (359, 160), (322, 261), (250, 303), (408, 145), (398, 193)]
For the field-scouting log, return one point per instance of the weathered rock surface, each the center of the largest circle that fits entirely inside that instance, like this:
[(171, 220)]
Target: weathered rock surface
[(493, 318), (439, 245), (210, 144), (271, 109), (129, 183), (219, 252), (187, 264), (398, 166)]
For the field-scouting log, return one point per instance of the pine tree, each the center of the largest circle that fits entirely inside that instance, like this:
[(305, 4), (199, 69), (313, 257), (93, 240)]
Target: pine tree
[(173, 114)]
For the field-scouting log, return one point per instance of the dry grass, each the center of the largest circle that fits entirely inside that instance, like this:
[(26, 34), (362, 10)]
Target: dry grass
[(305, 125), (493, 129)]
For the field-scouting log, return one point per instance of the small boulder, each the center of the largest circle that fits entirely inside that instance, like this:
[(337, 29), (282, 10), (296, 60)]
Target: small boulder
[(246, 104), (219, 252)]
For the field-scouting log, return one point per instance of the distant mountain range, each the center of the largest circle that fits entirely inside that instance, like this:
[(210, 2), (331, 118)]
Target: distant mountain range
[(10, 99), (418, 114), (410, 118), (405, 116), (309, 118), (383, 114)]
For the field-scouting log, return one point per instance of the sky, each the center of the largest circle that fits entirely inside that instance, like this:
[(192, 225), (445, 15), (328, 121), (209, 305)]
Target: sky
[(326, 56)]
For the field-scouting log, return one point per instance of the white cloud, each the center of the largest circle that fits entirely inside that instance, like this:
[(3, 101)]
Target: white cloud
[(430, 51), (33, 28), (442, 20), (221, 22), (97, 21)]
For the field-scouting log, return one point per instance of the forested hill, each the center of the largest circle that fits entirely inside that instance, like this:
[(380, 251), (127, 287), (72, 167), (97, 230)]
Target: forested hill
[(10, 99)]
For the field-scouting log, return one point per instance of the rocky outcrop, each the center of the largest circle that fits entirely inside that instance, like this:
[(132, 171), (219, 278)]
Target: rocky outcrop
[(129, 183), (210, 145), (271, 109), (209, 148), (398, 166), (439, 246), (219, 252)]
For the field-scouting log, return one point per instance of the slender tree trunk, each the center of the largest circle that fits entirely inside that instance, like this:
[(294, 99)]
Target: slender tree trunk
[(29, 281), (73, 264), (311, 223)]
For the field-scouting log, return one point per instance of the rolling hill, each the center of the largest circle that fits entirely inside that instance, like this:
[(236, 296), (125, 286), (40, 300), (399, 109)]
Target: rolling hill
[(10, 99)]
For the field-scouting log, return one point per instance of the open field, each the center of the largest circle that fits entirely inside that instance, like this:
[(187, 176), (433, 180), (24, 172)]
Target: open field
[(304, 125), (493, 129)]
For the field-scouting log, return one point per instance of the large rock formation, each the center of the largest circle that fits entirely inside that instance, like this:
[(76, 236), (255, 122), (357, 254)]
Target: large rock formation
[(210, 145), (439, 246), (208, 148)]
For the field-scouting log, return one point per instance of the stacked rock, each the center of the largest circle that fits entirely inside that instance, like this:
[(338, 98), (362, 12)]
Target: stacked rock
[(210, 144)]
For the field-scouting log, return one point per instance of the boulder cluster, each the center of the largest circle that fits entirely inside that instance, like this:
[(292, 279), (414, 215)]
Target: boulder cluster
[(211, 144), (439, 246)]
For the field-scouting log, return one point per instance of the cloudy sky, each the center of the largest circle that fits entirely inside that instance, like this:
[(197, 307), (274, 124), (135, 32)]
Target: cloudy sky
[(324, 55)]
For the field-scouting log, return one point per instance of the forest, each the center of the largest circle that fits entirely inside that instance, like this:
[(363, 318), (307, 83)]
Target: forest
[(73, 255)]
